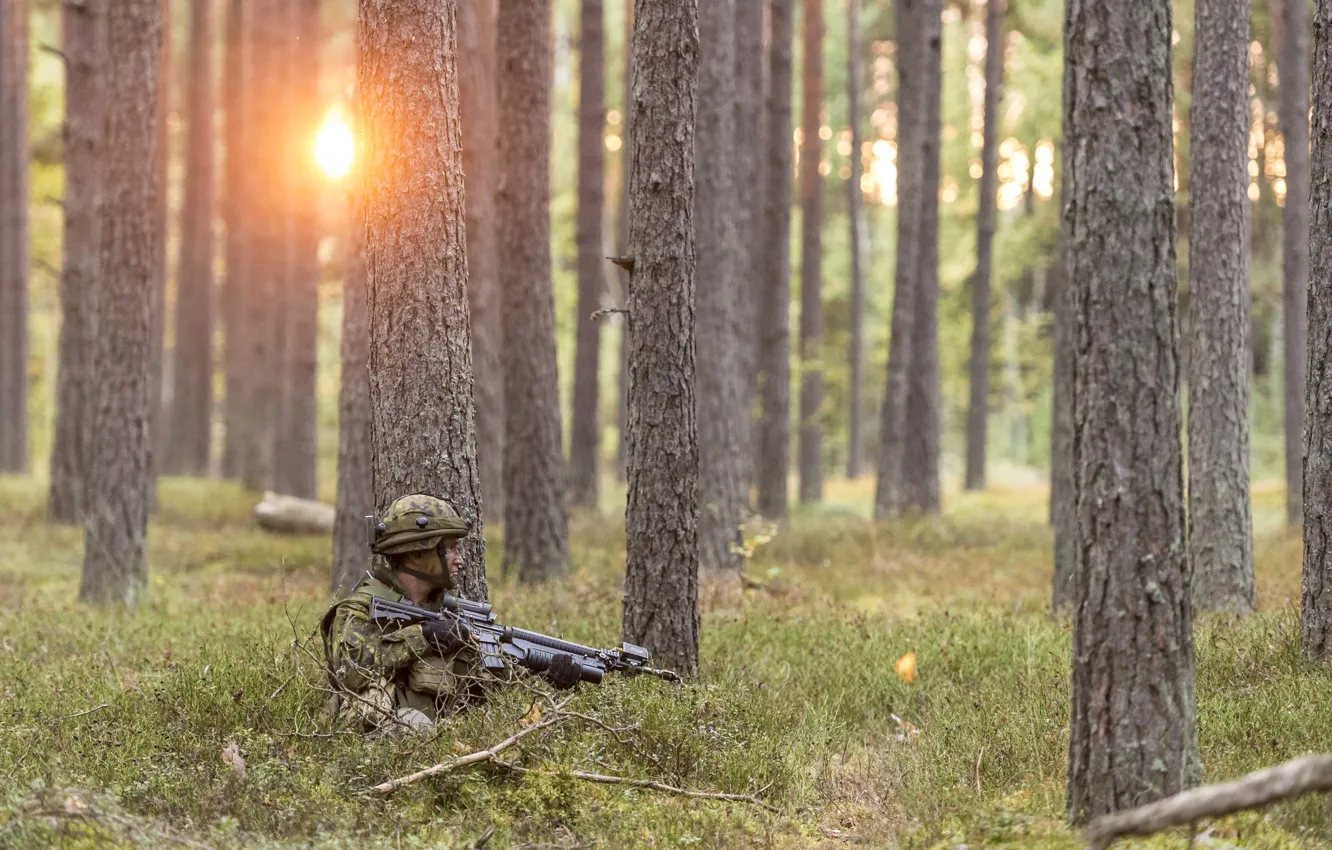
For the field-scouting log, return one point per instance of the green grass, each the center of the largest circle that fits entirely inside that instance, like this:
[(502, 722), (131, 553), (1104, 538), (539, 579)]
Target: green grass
[(795, 701)]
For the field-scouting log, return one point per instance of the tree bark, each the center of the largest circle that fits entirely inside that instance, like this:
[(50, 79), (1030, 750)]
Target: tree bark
[(1220, 526), (1316, 600), (536, 533), (1063, 501), (266, 236), (186, 453), (890, 494), (476, 83), (920, 460), (158, 386), (422, 418), (719, 379), (750, 119), (855, 448), (14, 237), (356, 492), (625, 163), (85, 51), (296, 448), (811, 258), (1133, 731), (1293, 72), (979, 372), (661, 520), (774, 320), (235, 213), (585, 445), (116, 526)]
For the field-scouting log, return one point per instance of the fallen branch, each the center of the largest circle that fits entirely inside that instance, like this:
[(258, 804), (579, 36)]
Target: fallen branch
[(1285, 781), (95, 708), (605, 779), (464, 761)]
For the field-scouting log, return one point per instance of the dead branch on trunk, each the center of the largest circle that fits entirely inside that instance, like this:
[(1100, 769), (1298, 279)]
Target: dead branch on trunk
[(1286, 781)]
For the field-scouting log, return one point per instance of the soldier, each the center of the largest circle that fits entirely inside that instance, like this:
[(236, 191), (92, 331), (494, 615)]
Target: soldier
[(410, 676)]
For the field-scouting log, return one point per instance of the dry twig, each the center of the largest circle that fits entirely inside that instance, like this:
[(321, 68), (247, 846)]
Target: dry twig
[(464, 761), (1295, 778), (605, 779)]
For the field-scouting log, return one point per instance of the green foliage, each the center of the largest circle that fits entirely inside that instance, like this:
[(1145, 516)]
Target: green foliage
[(113, 726)]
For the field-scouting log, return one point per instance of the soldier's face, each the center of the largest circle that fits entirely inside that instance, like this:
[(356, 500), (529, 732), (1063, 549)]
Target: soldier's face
[(452, 558)]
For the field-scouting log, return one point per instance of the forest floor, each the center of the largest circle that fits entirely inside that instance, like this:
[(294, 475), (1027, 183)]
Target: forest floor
[(115, 730)]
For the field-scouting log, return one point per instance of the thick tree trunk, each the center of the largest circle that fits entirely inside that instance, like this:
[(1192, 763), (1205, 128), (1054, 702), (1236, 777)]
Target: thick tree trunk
[(295, 448), (235, 214), (536, 533), (811, 258), (979, 373), (626, 160), (14, 237), (585, 445), (85, 50), (750, 119), (158, 386), (420, 363), (1220, 526), (186, 452), (1133, 731), (661, 520), (890, 495), (920, 460), (266, 266), (774, 329), (855, 441), (719, 381), (1293, 72), (1316, 603), (351, 555), (1063, 504), (114, 570), (476, 83)]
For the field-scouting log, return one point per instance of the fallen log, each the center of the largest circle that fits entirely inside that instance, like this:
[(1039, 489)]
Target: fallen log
[(1286, 781), (292, 515)]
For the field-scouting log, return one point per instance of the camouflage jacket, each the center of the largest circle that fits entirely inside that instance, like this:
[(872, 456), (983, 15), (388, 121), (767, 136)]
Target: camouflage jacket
[(357, 651)]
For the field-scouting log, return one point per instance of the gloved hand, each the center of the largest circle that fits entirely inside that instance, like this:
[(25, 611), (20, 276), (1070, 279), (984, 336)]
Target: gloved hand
[(447, 635), (564, 672)]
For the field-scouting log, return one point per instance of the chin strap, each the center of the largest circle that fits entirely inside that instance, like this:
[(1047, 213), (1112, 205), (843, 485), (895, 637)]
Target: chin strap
[(434, 581)]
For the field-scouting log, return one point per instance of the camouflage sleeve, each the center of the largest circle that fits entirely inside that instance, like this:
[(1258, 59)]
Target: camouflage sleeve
[(363, 653)]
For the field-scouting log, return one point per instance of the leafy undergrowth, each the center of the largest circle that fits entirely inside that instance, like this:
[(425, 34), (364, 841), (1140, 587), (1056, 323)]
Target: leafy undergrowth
[(132, 730)]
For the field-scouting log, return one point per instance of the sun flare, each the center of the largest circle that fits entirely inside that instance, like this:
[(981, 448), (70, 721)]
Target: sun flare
[(334, 146)]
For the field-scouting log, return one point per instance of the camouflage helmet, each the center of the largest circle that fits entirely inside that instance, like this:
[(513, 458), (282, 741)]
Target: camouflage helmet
[(417, 522)]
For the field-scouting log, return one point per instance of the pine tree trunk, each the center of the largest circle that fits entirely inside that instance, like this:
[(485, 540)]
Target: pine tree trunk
[(235, 214), (536, 535), (420, 364), (355, 497), (1063, 504), (114, 570), (158, 386), (855, 447), (1293, 72), (719, 381), (476, 83), (1316, 601), (585, 445), (920, 461), (626, 159), (890, 494), (266, 236), (811, 258), (295, 449), (1133, 735), (979, 373), (186, 453), (661, 521), (750, 119), (14, 237), (774, 460), (85, 51), (1220, 526)]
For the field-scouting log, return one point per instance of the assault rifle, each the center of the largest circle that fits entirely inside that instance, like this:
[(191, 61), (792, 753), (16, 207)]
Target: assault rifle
[(531, 650)]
